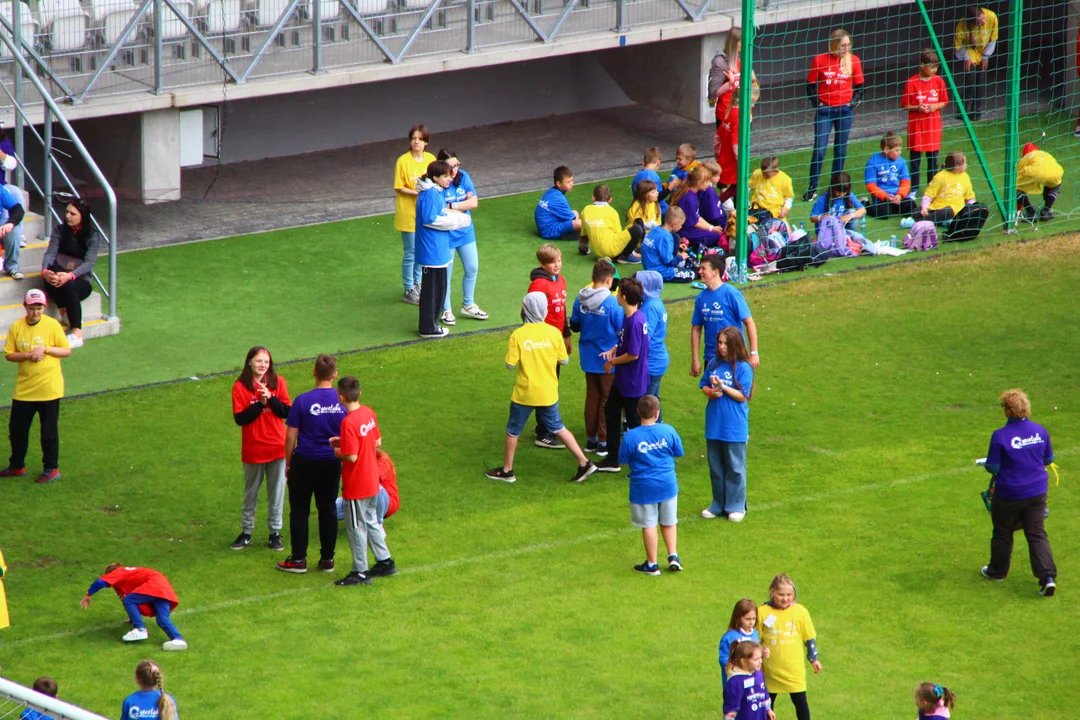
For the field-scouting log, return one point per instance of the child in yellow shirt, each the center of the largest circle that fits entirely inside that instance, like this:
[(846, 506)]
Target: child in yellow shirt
[(646, 205), (785, 628), (600, 225), (949, 191), (5, 621), (771, 189), (1037, 171)]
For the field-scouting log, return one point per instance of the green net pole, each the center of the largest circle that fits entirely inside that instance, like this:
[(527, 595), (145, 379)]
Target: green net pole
[(1012, 108), (746, 88), (963, 110)]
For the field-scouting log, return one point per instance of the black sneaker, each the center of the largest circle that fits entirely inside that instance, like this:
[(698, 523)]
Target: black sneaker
[(242, 541), (383, 568), (673, 563), (601, 450), (591, 446), (583, 472), (275, 543), (353, 578), (810, 194), (549, 441), (608, 465), (648, 569), (292, 565), (326, 565), (500, 474), (1046, 214), (1047, 587), (986, 574)]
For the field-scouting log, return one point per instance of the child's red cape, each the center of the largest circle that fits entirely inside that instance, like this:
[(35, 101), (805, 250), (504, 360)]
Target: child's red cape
[(143, 581)]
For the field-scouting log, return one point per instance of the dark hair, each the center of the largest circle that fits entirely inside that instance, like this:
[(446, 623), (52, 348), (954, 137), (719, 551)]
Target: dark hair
[(349, 388), (601, 193), (739, 612), (45, 685), (631, 290), (737, 353), (715, 261), (602, 270), (929, 57), (973, 12), (325, 367), (930, 696), (422, 129), (953, 160), (149, 676), (445, 155), (438, 168), (83, 207), (648, 407), (770, 163), (652, 155), (891, 140), (247, 375), (112, 566), (742, 650), (562, 173), (840, 186), (641, 193)]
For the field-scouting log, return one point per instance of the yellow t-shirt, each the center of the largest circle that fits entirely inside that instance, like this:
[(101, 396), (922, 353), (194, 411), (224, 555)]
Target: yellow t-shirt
[(649, 214), (406, 173), (977, 38), (1037, 170), (536, 348), (37, 381), (948, 189), (5, 621), (770, 193), (600, 223), (785, 633)]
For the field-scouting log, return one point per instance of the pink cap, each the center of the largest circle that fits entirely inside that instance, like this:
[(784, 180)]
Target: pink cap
[(35, 297)]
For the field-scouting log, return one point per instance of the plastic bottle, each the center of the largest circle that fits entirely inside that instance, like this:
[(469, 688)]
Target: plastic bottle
[(862, 224), (892, 241)]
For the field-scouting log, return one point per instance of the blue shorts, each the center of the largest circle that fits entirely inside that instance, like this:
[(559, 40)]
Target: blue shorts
[(547, 416), (564, 230)]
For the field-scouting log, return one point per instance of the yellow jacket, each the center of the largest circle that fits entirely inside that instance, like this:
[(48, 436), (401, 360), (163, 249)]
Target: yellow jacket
[(5, 621), (1037, 170), (600, 223)]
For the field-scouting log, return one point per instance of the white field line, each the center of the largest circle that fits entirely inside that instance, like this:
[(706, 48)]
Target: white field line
[(515, 552)]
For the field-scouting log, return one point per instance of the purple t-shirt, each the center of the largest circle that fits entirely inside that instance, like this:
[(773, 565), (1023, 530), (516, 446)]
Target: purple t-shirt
[(747, 696), (1019, 452), (317, 414), (632, 379)]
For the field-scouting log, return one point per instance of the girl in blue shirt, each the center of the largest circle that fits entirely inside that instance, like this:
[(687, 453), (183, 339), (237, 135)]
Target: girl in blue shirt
[(150, 702), (839, 201), (728, 382), (435, 222), (742, 627), (461, 195)]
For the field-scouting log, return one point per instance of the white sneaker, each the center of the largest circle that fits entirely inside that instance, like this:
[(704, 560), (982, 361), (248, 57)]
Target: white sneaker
[(440, 333), (474, 311), (177, 644), (448, 318), (736, 517), (707, 515), (74, 341), (135, 635)]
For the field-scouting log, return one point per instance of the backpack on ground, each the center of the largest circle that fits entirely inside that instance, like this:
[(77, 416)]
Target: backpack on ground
[(832, 238), (799, 256), (968, 223), (922, 236)]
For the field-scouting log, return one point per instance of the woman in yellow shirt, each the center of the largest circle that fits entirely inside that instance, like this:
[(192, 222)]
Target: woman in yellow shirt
[(408, 169)]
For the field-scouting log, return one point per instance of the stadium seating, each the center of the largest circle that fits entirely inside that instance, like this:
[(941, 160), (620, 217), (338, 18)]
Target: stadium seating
[(29, 25), (110, 17), (66, 24)]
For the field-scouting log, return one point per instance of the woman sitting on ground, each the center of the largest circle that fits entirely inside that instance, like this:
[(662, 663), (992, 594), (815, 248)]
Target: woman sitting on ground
[(68, 264)]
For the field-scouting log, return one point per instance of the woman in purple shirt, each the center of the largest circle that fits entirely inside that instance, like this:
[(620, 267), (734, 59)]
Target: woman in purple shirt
[(696, 229), (1018, 456)]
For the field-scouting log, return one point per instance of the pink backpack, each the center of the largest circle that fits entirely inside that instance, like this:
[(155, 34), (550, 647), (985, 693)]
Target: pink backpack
[(923, 236)]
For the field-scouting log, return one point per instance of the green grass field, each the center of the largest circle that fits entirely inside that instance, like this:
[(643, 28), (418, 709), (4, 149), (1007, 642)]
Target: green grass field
[(876, 392)]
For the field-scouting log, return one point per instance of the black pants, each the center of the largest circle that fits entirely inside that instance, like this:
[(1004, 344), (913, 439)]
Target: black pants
[(938, 216), (432, 295), (972, 89), (916, 163), (616, 406), (881, 209), (637, 233), (69, 296), (798, 699), (1049, 194), (22, 415), (1030, 513), (319, 478)]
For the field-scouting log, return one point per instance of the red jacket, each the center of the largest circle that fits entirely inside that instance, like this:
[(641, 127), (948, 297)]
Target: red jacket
[(555, 289), (143, 581)]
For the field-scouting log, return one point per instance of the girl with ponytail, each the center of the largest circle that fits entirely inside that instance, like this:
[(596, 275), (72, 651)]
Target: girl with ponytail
[(934, 701), (150, 702)]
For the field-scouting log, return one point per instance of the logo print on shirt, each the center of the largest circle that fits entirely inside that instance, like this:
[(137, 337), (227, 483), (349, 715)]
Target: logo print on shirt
[(367, 427), (531, 345), (1019, 442), (317, 409), (645, 446)]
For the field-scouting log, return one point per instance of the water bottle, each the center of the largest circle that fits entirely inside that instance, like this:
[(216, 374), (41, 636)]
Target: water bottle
[(802, 227), (892, 241), (862, 224)]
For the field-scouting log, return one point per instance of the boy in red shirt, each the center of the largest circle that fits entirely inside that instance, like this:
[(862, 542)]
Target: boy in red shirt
[(546, 279), (357, 448), (142, 591), (924, 97)]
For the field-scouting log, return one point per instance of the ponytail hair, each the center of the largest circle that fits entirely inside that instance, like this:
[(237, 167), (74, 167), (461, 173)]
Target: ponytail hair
[(149, 677), (741, 651), (930, 696), (694, 178)]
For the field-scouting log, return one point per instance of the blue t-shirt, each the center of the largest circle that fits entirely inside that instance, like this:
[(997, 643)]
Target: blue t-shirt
[(747, 696), (632, 379), (828, 205), (726, 419), (1018, 456), (432, 246), (656, 320), (599, 331), (29, 714), (142, 705), (717, 309), (658, 252), (8, 198), (886, 173), (552, 210), (458, 193), (647, 174), (317, 414), (725, 645), (650, 451)]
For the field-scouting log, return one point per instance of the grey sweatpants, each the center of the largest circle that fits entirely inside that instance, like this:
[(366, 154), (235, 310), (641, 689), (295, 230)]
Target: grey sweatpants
[(363, 529), (274, 472)]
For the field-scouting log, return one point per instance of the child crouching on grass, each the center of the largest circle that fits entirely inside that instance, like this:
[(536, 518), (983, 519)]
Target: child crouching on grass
[(650, 450), (142, 591), (1037, 172)]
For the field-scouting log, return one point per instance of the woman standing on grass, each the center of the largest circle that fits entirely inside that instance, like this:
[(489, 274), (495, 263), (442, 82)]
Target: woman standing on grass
[(407, 171), (260, 401), (68, 264), (834, 87), (461, 195)]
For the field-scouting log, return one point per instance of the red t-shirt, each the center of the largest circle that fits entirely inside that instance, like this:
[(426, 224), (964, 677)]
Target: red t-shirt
[(834, 86), (143, 581), (388, 480), (359, 435), (262, 441), (556, 295), (724, 101), (924, 129)]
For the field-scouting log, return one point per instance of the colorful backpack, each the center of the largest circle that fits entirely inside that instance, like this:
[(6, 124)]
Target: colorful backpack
[(832, 238), (922, 236)]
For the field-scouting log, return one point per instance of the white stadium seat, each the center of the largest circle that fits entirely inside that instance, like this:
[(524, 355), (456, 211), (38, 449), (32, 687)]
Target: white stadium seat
[(171, 27), (66, 24), (223, 16), (29, 25), (110, 17), (267, 12)]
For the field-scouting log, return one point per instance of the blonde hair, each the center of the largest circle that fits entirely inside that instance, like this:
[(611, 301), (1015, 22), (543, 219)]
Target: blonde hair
[(712, 166), (149, 677), (548, 253), (695, 177), (1016, 404), (834, 46), (687, 150), (781, 580), (652, 155), (731, 47), (674, 214)]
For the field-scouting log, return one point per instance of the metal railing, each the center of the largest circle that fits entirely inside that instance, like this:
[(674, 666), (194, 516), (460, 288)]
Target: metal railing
[(52, 165)]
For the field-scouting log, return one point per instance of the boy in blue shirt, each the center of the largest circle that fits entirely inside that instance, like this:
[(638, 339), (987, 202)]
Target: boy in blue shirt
[(656, 319), (46, 686), (650, 170), (555, 220), (598, 317), (718, 306), (650, 450), (888, 180), (658, 250)]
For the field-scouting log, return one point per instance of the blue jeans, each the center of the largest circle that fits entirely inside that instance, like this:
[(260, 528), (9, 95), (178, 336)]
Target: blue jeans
[(653, 389), (162, 608), (826, 119), (410, 271), (471, 262), (11, 243), (547, 416), (727, 471)]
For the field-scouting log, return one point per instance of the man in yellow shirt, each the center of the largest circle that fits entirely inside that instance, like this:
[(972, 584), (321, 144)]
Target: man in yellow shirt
[(534, 351), (974, 42), (36, 342), (600, 228)]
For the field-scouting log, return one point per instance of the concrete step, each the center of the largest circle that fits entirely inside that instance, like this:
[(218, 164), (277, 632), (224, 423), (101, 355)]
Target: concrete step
[(94, 323)]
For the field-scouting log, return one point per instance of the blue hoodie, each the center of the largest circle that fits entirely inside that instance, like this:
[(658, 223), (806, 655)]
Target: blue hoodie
[(656, 319)]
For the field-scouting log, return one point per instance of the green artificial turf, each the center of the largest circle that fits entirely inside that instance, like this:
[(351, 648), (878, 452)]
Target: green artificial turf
[(192, 310), (876, 392)]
